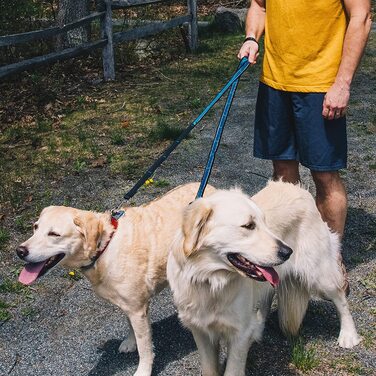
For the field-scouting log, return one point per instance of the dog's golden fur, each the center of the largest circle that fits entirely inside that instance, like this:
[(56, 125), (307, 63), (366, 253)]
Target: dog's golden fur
[(133, 267), (214, 296)]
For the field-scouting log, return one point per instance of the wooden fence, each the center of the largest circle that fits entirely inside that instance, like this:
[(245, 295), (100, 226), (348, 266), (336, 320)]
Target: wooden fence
[(107, 40)]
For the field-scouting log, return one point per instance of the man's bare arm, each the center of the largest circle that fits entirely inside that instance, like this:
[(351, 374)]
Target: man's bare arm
[(254, 27), (337, 97)]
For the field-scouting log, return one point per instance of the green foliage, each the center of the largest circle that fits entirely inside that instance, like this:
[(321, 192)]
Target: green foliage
[(9, 286), (164, 131), (4, 237), (16, 15), (302, 358), (117, 137)]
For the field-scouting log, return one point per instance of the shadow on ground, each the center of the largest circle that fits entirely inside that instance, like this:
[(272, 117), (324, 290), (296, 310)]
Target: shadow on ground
[(359, 242), (171, 342)]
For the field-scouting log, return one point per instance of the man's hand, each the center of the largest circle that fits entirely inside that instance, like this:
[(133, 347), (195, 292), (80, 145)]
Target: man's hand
[(249, 49), (336, 101)]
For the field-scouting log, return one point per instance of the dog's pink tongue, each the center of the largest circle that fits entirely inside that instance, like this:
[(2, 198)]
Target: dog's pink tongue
[(270, 275), (30, 272)]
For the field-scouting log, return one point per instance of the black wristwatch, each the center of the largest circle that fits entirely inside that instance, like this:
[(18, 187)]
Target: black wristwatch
[(251, 39)]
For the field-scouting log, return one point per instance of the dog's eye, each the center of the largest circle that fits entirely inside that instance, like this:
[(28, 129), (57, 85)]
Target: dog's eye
[(52, 233), (250, 226)]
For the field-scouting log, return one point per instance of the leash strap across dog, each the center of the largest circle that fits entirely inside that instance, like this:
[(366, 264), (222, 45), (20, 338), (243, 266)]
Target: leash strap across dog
[(234, 79), (217, 140)]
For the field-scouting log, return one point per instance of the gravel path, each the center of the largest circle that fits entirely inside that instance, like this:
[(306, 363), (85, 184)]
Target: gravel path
[(71, 332)]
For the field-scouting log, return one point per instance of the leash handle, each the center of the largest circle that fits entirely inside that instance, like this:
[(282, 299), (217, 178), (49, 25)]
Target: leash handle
[(217, 139), (241, 69)]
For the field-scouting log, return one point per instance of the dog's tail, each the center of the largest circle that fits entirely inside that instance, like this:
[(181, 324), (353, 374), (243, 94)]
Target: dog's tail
[(293, 298)]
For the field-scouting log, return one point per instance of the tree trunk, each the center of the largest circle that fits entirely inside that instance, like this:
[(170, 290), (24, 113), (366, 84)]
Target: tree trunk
[(69, 11)]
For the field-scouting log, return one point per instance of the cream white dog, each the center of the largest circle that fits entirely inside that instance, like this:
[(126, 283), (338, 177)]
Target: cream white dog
[(125, 266), (231, 252)]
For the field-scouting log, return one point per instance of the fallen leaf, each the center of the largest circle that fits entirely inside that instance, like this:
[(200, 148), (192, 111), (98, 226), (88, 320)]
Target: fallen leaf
[(98, 163)]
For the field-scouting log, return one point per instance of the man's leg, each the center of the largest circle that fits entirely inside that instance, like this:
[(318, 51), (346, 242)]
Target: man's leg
[(331, 199), (287, 170)]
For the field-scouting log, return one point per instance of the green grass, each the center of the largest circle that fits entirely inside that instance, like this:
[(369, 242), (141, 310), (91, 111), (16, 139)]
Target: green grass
[(11, 286), (4, 315), (161, 183), (28, 312), (164, 131), (302, 358), (4, 237)]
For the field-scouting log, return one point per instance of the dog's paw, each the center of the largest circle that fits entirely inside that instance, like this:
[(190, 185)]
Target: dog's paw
[(348, 340), (143, 372), (128, 345)]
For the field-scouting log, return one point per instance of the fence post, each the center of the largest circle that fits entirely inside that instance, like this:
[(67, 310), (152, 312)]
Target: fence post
[(108, 50), (192, 26)]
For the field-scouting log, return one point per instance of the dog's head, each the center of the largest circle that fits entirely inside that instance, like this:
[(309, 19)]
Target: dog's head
[(62, 235), (227, 231)]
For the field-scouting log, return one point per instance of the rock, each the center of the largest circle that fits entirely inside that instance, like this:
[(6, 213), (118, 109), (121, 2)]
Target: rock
[(230, 20)]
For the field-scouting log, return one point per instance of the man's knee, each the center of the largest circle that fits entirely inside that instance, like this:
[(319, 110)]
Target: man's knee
[(327, 181)]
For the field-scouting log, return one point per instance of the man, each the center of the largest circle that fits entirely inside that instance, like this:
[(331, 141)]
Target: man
[(312, 50)]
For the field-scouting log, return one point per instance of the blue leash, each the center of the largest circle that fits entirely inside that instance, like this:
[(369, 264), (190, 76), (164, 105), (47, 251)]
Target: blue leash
[(233, 81), (217, 140)]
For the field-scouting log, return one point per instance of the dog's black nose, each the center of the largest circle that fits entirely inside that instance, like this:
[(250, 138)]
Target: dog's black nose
[(22, 251), (284, 252)]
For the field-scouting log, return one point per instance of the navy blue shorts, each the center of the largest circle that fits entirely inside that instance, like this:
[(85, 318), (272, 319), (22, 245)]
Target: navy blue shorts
[(290, 126)]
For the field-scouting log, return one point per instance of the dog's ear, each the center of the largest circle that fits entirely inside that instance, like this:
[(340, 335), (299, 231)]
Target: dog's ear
[(91, 228), (195, 219)]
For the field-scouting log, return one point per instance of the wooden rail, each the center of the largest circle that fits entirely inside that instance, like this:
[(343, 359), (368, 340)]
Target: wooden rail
[(14, 39), (120, 4), (107, 40), (149, 29), (51, 58)]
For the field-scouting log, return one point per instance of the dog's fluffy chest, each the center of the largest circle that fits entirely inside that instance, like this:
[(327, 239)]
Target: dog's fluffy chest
[(224, 312)]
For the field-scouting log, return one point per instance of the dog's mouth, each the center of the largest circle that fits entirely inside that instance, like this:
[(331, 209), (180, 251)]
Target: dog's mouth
[(34, 270), (259, 273)]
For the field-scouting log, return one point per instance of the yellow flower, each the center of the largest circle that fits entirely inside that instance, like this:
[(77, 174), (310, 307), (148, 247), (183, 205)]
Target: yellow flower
[(72, 273), (148, 182)]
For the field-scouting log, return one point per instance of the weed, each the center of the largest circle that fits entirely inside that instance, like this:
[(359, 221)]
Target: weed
[(161, 183), (28, 312), (9, 286), (43, 125), (196, 103), (4, 237), (82, 134), (117, 137), (79, 165), (74, 274), (14, 134), (368, 339), (131, 169), (369, 281), (302, 358), (4, 315), (3, 304), (22, 223), (163, 131), (372, 166)]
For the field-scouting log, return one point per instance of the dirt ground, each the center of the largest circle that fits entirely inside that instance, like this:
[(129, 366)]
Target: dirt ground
[(59, 327)]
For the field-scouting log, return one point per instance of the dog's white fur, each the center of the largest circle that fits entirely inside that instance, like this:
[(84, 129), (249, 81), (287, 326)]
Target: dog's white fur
[(217, 301), (133, 267)]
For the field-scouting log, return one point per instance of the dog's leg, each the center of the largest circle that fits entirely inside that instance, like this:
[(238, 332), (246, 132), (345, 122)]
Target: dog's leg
[(129, 344), (293, 300), (209, 353), (142, 330), (348, 336), (237, 352)]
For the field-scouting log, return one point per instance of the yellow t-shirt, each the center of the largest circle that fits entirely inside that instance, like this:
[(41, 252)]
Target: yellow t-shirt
[(303, 44)]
